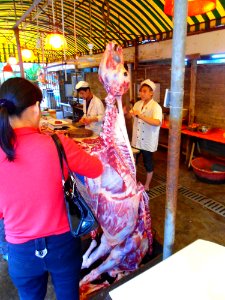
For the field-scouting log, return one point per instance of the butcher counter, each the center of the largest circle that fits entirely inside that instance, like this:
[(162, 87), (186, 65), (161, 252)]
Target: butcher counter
[(70, 126)]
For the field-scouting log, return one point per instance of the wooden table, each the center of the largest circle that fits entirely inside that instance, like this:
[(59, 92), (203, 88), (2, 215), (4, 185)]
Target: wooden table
[(215, 135)]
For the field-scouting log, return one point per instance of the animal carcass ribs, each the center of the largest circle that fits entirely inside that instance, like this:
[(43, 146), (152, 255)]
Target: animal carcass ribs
[(119, 202)]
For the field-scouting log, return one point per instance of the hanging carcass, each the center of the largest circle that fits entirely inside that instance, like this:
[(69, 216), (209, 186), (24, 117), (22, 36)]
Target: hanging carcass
[(119, 202)]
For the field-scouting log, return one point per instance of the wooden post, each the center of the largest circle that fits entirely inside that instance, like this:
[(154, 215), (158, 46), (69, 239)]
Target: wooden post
[(135, 92), (192, 91), (193, 58), (16, 32), (131, 81)]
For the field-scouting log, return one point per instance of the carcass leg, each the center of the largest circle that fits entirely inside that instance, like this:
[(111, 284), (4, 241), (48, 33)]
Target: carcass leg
[(89, 250), (117, 255), (112, 261), (132, 249), (103, 249)]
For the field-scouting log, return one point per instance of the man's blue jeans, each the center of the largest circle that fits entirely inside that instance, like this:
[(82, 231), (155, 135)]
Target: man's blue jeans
[(29, 273)]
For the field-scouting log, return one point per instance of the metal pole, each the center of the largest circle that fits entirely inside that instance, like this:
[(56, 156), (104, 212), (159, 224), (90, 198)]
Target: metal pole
[(176, 105)]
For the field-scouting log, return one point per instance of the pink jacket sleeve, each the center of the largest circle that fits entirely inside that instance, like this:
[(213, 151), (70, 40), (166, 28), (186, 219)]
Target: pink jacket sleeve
[(79, 160)]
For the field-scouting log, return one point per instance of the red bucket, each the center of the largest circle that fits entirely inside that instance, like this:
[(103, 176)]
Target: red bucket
[(209, 170)]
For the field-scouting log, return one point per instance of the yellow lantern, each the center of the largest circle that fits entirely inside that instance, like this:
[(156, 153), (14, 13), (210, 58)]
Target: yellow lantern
[(27, 54), (12, 60), (55, 41), (195, 7)]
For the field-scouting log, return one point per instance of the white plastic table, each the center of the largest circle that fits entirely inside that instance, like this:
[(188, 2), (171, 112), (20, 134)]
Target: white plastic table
[(197, 272)]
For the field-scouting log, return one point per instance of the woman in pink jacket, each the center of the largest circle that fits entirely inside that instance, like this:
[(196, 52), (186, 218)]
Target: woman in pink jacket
[(31, 197)]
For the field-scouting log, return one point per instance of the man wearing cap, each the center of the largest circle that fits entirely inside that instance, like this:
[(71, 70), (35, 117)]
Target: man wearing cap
[(147, 114), (93, 108)]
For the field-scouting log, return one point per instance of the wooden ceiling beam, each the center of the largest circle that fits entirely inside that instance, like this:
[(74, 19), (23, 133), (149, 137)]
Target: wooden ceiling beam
[(26, 14)]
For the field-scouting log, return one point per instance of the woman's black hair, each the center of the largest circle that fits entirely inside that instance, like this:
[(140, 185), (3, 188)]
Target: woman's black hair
[(16, 94)]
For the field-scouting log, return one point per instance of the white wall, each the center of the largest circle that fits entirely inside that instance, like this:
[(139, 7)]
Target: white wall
[(204, 43)]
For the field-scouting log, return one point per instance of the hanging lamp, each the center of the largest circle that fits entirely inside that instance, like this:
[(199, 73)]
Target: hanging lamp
[(7, 68), (7, 72), (90, 45), (195, 7), (27, 54), (12, 60), (55, 40)]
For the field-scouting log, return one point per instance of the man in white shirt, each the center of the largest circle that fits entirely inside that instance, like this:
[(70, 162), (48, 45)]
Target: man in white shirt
[(93, 108), (147, 114)]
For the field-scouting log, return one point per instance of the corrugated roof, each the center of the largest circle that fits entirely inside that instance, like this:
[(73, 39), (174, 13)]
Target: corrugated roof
[(96, 22)]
